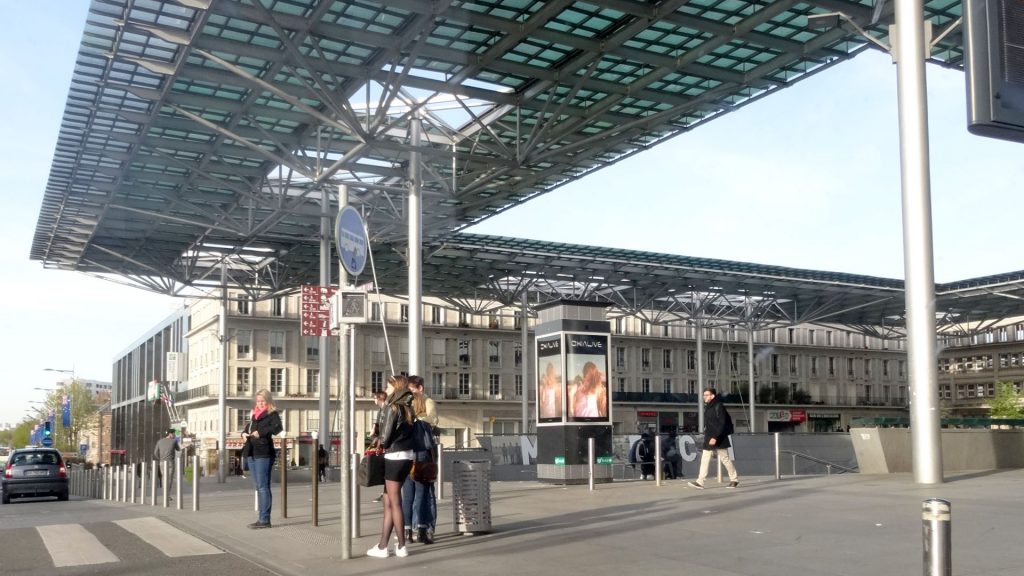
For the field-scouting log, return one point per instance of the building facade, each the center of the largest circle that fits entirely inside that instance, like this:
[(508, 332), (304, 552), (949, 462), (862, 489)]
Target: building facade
[(807, 378)]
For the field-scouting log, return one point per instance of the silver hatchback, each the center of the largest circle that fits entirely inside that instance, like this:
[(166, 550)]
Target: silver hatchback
[(33, 472)]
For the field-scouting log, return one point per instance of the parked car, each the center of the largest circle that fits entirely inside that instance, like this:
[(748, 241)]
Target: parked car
[(32, 472)]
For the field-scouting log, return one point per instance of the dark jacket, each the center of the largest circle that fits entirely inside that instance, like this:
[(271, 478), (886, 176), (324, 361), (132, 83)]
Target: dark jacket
[(268, 424), (717, 424), (395, 426)]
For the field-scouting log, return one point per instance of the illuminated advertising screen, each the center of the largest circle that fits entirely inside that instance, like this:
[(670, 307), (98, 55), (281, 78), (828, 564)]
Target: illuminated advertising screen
[(586, 392), (550, 387)]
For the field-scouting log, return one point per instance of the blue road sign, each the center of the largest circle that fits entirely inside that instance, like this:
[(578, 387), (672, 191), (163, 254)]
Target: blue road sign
[(350, 237), (83, 449), (47, 441)]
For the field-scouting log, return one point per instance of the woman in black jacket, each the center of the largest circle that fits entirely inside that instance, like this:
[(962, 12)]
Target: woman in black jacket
[(396, 439), (259, 435)]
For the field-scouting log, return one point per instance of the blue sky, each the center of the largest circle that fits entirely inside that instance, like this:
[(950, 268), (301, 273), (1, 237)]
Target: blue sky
[(808, 178)]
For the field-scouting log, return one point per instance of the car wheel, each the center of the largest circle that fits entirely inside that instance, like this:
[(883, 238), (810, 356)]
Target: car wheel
[(63, 496), (6, 499)]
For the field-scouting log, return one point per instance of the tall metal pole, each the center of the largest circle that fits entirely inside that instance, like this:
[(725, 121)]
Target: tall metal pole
[(750, 370), (523, 310), (345, 384), (325, 340), (909, 51), (222, 406), (415, 253), (700, 373)]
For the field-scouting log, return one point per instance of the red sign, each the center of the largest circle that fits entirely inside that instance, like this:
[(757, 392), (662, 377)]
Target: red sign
[(797, 416), (316, 310), (646, 414)]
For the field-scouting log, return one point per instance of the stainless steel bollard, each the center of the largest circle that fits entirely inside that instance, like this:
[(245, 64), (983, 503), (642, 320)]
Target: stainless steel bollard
[(163, 481), (440, 472), (179, 476), (590, 462), (657, 460), (195, 483), (142, 483), (935, 521), (152, 484)]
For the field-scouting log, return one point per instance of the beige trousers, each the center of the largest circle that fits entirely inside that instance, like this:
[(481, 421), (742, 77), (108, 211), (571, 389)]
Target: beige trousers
[(723, 457)]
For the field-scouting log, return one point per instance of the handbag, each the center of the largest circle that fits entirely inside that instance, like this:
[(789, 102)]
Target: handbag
[(425, 472), (371, 470)]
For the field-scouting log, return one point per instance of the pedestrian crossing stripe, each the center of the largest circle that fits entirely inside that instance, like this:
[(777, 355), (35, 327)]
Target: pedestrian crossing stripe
[(73, 545), (171, 541)]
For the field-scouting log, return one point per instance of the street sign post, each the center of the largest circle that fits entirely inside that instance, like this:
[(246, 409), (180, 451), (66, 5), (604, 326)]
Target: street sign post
[(350, 237)]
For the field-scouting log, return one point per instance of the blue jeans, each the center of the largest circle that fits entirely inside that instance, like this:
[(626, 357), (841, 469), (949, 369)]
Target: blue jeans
[(260, 471), (418, 504)]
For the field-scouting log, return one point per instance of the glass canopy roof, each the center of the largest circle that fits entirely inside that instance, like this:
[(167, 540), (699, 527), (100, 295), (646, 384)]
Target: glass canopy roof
[(198, 132)]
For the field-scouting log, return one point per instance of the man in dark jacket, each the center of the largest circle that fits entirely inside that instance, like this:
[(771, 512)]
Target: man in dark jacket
[(717, 428)]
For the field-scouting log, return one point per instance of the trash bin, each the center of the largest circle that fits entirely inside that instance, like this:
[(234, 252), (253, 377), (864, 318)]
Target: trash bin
[(471, 495)]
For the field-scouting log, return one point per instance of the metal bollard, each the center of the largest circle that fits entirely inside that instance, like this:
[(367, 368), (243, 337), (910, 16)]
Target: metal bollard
[(284, 478), (179, 476), (440, 472), (163, 482), (152, 484), (195, 483), (935, 520), (590, 462), (142, 484), (778, 471), (657, 459), (131, 473)]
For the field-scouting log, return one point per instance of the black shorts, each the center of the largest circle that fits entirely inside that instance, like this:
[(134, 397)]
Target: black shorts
[(397, 470)]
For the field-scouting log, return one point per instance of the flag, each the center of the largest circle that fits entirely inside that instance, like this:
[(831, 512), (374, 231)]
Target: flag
[(65, 412)]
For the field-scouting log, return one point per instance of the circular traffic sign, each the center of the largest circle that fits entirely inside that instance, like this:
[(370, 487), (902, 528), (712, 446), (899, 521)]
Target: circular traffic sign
[(350, 237), (47, 441)]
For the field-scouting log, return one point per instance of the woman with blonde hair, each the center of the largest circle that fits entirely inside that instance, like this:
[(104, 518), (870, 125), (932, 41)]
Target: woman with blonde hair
[(397, 441), (259, 435)]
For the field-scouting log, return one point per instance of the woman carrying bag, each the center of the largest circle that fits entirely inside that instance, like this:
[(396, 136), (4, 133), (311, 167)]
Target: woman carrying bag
[(396, 439)]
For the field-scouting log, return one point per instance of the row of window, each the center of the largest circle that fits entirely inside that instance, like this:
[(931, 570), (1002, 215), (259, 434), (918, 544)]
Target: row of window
[(737, 359)]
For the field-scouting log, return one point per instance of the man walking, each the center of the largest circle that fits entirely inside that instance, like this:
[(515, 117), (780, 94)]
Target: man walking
[(717, 428), (166, 450)]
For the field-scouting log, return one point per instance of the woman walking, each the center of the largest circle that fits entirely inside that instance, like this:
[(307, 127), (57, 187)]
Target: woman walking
[(259, 434), (397, 441)]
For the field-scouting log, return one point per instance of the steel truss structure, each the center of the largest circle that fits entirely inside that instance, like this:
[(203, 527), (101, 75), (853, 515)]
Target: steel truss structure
[(200, 137)]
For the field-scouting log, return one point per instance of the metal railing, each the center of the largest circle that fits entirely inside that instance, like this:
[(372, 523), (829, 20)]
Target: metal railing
[(800, 455)]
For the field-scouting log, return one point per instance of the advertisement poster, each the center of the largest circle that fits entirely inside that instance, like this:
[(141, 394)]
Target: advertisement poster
[(587, 381), (550, 398)]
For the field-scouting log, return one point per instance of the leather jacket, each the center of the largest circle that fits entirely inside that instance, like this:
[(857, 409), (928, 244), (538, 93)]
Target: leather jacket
[(396, 423)]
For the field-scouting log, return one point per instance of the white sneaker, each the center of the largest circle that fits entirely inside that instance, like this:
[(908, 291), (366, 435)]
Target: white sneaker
[(402, 552), (378, 552)]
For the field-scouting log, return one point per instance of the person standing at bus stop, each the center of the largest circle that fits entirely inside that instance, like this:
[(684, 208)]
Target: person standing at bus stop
[(717, 428), (265, 423)]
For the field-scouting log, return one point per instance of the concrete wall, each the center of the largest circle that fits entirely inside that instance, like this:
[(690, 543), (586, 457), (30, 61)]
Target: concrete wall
[(889, 450)]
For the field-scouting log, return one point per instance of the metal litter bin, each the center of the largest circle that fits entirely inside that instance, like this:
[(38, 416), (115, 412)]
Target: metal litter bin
[(471, 496)]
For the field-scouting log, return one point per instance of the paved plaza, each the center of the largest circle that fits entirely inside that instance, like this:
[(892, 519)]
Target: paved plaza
[(839, 525)]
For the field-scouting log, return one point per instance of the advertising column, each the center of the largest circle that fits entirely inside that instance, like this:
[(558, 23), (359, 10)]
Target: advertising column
[(573, 401)]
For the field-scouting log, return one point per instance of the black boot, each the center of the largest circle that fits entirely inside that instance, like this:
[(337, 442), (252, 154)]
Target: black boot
[(424, 536)]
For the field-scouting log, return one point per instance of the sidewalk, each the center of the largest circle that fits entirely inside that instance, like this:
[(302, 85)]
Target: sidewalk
[(841, 525)]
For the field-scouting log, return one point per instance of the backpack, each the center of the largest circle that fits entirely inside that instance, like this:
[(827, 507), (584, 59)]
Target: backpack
[(423, 437)]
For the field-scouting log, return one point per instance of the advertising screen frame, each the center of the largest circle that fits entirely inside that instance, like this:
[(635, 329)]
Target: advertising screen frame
[(583, 349), (548, 352)]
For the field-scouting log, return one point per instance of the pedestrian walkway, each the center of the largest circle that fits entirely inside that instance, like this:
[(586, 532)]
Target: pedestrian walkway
[(840, 525)]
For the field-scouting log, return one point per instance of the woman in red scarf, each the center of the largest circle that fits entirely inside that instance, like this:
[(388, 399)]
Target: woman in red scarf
[(259, 433)]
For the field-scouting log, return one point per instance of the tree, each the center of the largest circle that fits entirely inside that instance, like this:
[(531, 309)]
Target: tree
[(83, 414), (1007, 402)]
